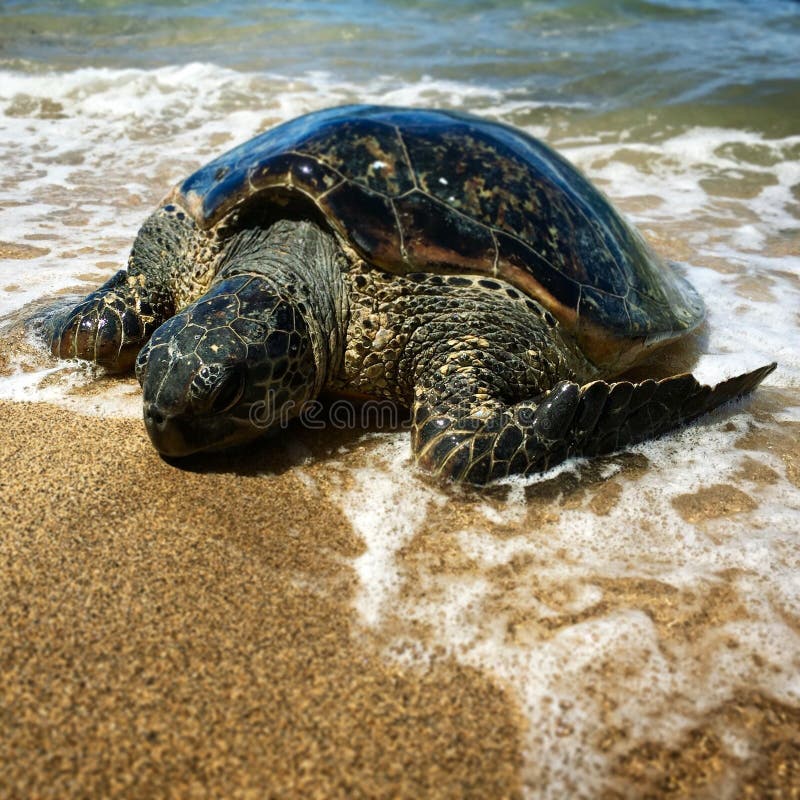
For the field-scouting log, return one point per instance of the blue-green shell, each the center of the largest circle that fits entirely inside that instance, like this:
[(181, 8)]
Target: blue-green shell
[(415, 190)]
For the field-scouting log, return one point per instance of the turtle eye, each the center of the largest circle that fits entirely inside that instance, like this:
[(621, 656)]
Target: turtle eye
[(216, 388), (227, 392)]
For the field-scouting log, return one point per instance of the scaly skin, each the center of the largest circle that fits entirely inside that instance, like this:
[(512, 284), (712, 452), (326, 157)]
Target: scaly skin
[(246, 355), (170, 261), (496, 386), (463, 433), (111, 325), (403, 331)]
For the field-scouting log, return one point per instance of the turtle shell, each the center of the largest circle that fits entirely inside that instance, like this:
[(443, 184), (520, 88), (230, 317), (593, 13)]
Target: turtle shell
[(415, 190)]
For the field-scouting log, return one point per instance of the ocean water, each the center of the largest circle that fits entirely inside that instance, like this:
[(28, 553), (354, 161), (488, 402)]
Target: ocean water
[(645, 593)]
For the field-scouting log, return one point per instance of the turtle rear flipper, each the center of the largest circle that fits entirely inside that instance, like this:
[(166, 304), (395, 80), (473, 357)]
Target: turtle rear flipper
[(478, 441), (111, 325)]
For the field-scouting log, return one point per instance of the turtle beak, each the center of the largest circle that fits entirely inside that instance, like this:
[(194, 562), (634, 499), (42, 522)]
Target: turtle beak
[(166, 433), (180, 435)]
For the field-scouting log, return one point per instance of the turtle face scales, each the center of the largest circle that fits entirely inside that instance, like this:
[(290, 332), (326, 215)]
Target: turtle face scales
[(212, 375)]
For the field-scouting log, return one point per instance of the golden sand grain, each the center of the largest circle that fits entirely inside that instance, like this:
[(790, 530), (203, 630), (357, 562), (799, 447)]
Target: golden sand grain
[(710, 502), (176, 633), (190, 632), (17, 250)]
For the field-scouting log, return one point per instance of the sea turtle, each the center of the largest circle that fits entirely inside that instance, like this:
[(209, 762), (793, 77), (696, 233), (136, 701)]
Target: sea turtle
[(450, 264)]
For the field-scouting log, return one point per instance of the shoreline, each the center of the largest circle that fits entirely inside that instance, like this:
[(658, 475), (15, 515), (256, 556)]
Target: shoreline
[(312, 617)]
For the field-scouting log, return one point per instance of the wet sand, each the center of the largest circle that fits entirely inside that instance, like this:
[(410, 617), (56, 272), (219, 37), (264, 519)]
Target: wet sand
[(169, 633), (313, 619), (202, 631)]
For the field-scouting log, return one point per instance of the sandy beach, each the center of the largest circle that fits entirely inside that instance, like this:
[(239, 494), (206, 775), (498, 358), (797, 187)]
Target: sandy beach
[(309, 617), (189, 634), (312, 617), (192, 632)]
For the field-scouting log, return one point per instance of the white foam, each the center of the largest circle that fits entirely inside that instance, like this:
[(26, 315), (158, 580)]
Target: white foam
[(568, 681), (66, 385), (386, 514), (675, 171)]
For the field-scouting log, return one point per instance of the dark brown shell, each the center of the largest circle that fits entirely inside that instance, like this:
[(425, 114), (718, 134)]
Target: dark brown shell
[(416, 190)]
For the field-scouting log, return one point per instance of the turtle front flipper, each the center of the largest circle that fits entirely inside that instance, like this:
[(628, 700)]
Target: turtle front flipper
[(111, 325), (476, 440), (244, 358)]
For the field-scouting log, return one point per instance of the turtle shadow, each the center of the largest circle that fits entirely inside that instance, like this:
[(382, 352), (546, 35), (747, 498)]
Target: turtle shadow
[(298, 444)]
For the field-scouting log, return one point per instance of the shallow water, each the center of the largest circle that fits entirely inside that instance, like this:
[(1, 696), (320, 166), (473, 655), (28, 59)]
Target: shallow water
[(628, 603)]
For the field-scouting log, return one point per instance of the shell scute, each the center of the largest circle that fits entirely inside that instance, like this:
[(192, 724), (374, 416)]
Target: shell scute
[(302, 172), (485, 182), (522, 266), (438, 237), (367, 220), (369, 152)]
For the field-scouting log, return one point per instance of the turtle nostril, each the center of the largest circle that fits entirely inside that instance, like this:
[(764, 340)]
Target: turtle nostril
[(153, 415)]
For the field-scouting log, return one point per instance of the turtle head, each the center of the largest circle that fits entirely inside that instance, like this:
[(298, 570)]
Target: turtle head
[(229, 367)]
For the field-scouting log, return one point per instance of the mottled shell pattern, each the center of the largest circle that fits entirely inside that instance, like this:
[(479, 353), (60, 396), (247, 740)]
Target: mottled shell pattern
[(414, 190)]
